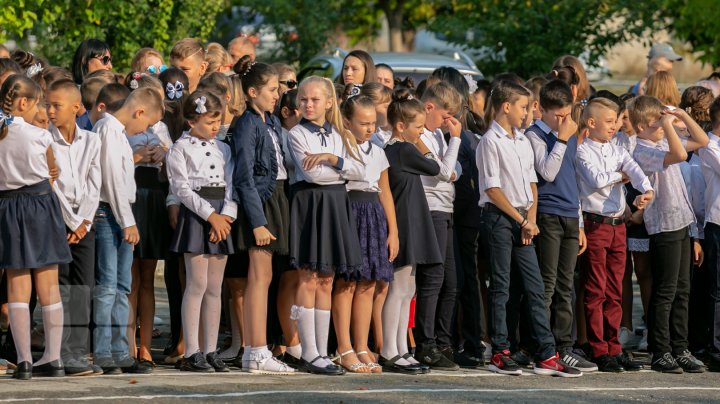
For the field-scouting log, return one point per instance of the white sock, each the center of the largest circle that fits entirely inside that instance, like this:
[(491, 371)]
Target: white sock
[(392, 314), (295, 351), (246, 353), (322, 329), (53, 325), (196, 282), (306, 331), (19, 314)]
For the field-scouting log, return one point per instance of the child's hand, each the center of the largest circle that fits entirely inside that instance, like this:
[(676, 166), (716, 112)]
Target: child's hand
[(312, 160), (625, 177), (642, 201), (220, 224), (582, 240), (142, 155), (452, 126), (81, 231), (393, 244), (668, 118), (158, 154), (637, 217), (54, 173), (72, 238), (131, 235), (263, 236), (567, 128), (529, 231), (698, 255)]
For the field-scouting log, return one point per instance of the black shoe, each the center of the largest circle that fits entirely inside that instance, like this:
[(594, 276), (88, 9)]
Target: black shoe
[(75, 367), (464, 360), (329, 370), (50, 369), (290, 360), (607, 363), (23, 371), (689, 363), (432, 357), (626, 362), (423, 367), (237, 362), (447, 352), (713, 362), (522, 358), (196, 363), (216, 362), (169, 348), (665, 363), (390, 365), (108, 366), (142, 366)]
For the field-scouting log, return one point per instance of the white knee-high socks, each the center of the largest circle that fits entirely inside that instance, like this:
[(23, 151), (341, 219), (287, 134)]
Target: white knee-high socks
[(201, 300), (395, 315), (20, 325), (53, 321)]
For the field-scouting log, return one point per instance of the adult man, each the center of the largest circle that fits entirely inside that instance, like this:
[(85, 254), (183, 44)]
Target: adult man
[(661, 58)]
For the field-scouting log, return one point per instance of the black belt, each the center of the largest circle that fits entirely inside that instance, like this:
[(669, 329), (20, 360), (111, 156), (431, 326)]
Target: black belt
[(212, 192), (613, 221), (41, 188), (489, 207), (362, 196)]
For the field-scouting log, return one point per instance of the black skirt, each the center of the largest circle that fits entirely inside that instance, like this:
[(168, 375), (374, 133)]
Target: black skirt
[(192, 234), (32, 228), (277, 214), (151, 215), (323, 234)]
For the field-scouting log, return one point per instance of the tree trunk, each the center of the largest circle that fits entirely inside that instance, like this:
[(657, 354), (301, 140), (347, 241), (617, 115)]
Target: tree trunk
[(394, 14)]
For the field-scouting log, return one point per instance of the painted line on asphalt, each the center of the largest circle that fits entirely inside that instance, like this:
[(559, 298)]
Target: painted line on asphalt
[(362, 392)]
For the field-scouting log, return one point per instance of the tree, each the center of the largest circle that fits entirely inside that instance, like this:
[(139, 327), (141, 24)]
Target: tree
[(15, 19), (695, 21), (526, 36)]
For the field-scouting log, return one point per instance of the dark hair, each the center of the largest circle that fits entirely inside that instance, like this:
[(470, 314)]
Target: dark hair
[(26, 59), (289, 101), (88, 49), (715, 112), (404, 107), (54, 73), (483, 85), (378, 92), (507, 76), (253, 74), (564, 73), (367, 62), (213, 104), (696, 102), (502, 92), (9, 64), (535, 84), (350, 105), (455, 79), (113, 95), (384, 66), (16, 86), (555, 94), (135, 80), (173, 117)]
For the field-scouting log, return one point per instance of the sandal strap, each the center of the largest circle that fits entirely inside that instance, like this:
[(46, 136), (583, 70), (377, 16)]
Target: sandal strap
[(394, 359), (362, 353), (312, 362), (346, 352)]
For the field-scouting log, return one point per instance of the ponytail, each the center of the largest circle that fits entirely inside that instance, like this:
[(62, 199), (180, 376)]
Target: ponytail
[(15, 87), (502, 92)]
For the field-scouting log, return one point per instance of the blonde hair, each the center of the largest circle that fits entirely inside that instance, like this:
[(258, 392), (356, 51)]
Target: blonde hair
[(596, 104), (283, 68), (643, 110), (186, 48), (141, 55), (217, 57), (663, 86), (333, 115)]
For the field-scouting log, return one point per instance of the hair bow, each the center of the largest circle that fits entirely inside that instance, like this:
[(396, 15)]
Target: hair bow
[(174, 92), (471, 82), (410, 97), (34, 69), (134, 82), (584, 102), (5, 118), (354, 91), (200, 102)]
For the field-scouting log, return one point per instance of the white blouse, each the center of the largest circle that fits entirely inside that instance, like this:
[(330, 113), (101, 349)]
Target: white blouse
[(23, 155), (375, 163)]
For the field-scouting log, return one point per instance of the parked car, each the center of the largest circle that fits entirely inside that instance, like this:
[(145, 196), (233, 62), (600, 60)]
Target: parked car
[(415, 65), (242, 20)]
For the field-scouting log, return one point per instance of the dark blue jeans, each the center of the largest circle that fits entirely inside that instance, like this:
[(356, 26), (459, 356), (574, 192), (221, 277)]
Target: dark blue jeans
[(506, 253)]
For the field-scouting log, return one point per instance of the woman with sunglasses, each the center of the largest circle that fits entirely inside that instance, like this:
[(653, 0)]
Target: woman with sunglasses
[(148, 61), (286, 77), (92, 54)]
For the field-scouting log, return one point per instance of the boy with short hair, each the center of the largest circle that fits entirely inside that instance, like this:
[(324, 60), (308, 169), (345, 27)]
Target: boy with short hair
[(188, 54), (111, 97), (659, 150)]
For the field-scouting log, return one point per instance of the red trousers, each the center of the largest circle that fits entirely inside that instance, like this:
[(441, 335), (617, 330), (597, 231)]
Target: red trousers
[(604, 270)]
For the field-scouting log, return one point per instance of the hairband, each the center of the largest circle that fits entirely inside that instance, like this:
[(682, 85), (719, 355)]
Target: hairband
[(5, 118), (355, 90), (34, 69), (174, 92), (249, 68), (200, 102)]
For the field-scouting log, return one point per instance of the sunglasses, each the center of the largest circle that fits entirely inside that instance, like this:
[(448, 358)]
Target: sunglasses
[(105, 60), (289, 83), (156, 70)]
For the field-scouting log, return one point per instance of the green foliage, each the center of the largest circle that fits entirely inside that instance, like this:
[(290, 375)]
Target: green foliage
[(16, 17), (695, 21)]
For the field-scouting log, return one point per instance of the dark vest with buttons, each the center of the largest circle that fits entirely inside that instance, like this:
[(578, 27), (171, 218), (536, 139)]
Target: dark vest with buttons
[(562, 196)]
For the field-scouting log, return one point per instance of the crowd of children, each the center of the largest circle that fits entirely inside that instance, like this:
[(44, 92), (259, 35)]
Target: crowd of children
[(362, 225)]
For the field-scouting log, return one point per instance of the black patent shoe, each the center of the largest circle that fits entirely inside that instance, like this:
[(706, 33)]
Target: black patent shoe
[(217, 363), (290, 360), (607, 363), (423, 367), (390, 365), (329, 370), (23, 371), (627, 363), (51, 369)]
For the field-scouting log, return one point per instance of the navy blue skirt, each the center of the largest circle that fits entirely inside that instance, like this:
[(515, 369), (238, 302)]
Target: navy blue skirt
[(323, 235), (192, 234), (32, 228), (372, 233), (151, 215)]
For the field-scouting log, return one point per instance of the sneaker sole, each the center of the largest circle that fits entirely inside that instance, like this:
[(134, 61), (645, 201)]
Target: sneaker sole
[(270, 372), (586, 370), (552, 372), (677, 371), (496, 369)]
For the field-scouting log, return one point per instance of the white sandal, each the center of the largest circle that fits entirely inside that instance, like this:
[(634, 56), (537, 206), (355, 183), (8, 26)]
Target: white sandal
[(267, 365), (355, 367), (371, 365)]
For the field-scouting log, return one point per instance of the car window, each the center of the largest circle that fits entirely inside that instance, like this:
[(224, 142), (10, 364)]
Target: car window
[(323, 69)]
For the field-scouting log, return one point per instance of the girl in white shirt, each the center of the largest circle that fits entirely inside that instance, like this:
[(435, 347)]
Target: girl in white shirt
[(323, 238), (33, 238), (200, 171)]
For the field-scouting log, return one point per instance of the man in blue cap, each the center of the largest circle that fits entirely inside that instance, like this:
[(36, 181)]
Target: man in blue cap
[(661, 58)]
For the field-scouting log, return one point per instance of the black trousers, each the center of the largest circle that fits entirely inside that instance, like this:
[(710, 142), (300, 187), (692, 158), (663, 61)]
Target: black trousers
[(470, 313), (436, 287), (77, 280), (712, 267), (670, 256), (557, 247), (175, 295)]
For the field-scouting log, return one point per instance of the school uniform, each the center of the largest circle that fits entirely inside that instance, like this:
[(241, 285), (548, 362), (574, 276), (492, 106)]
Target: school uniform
[(668, 220), (113, 277), (603, 203), (437, 285), (638, 239), (200, 173), (381, 137), (323, 234), (33, 233), (506, 162), (372, 225), (152, 190), (559, 222), (78, 190)]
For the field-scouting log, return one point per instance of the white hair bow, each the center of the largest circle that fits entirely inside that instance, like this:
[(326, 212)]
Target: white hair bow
[(174, 92), (200, 102), (471, 82), (34, 69)]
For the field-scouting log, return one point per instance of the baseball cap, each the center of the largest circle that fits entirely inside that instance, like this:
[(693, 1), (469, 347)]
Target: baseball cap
[(663, 49)]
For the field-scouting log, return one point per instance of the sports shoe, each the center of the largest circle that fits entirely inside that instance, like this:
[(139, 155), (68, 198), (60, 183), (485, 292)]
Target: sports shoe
[(522, 358), (665, 363), (689, 363), (643, 345), (576, 361), (624, 336), (432, 357), (502, 363), (554, 366), (268, 365), (465, 360), (607, 363)]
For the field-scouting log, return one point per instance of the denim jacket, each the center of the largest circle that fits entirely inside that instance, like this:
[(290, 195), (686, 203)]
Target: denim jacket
[(256, 167)]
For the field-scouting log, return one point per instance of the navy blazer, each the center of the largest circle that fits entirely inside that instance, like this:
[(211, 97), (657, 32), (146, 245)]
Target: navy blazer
[(256, 167)]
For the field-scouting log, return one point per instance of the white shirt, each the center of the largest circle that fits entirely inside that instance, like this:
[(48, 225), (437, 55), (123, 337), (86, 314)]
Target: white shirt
[(23, 155), (193, 163), (156, 135), (375, 163), (599, 166), (282, 173), (306, 138), (626, 142), (695, 184), (289, 162), (547, 164), (78, 186), (506, 162), (710, 159), (118, 169), (439, 190), (381, 137)]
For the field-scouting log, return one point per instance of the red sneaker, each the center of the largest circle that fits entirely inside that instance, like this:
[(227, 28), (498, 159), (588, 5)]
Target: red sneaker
[(554, 366), (502, 363)]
